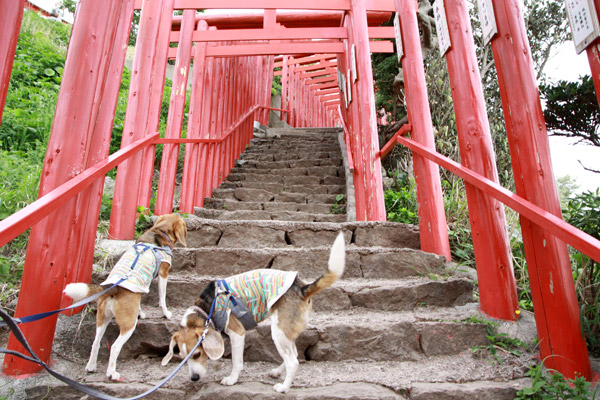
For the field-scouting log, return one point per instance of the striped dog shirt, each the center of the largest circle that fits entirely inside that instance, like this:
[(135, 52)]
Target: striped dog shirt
[(138, 278), (258, 290)]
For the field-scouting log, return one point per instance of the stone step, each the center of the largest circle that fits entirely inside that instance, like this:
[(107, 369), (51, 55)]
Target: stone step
[(376, 294), (380, 263), (246, 215), (280, 187), (255, 195), (354, 334), (291, 234), (278, 149), (291, 156), (288, 171), (251, 164), (334, 176), (234, 205), (460, 377)]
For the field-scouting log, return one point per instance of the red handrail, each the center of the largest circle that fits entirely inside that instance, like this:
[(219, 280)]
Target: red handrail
[(17, 223)]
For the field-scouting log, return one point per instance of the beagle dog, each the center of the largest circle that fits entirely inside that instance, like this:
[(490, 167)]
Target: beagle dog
[(261, 293), (149, 257)]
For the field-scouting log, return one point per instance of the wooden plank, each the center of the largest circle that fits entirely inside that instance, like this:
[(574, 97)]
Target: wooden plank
[(372, 5), (10, 25), (265, 34)]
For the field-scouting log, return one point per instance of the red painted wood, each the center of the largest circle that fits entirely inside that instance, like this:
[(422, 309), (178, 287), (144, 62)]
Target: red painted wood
[(557, 312), (287, 18), (168, 166), (144, 90), (393, 141), (60, 236), (291, 94), (364, 100), (87, 209), (308, 60), (284, 86), (158, 76), (432, 219), (10, 25), (497, 287), (383, 5), (195, 116)]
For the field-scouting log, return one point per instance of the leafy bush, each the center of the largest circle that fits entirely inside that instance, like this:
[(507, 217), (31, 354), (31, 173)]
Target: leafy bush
[(583, 212), (553, 385), (401, 204)]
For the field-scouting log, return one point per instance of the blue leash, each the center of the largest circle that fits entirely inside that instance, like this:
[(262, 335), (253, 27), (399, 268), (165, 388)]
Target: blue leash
[(10, 322)]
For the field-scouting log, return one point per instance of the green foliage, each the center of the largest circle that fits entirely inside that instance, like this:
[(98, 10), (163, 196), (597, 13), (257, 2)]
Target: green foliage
[(583, 212), (401, 203), (553, 385), (499, 342), (339, 207), (572, 110), (36, 76)]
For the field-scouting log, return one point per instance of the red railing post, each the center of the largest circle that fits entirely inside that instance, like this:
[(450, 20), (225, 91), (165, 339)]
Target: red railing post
[(193, 151), (593, 53), (497, 287), (168, 165), (556, 309), (133, 183), (432, 218), (284, 87), (61, 245), (10, 25)]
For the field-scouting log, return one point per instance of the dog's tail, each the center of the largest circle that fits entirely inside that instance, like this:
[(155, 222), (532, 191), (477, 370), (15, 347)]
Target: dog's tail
[(335, 269), (78, 291)]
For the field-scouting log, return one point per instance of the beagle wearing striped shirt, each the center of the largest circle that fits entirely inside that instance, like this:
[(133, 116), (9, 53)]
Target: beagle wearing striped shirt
[(241, 302), (133, 274)]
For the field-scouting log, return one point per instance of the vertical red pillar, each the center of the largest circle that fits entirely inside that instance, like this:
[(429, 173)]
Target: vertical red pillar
[(290, 95), (556, 309), (284, 87), (10, 25), (365, 100), (195, 117), (60, 242), (143, 111), (497, 287), (203, 179), (168, 165), (432, 219)]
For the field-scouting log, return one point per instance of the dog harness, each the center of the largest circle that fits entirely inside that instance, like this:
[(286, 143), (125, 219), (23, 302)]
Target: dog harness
[(139, 266), (251, 294)]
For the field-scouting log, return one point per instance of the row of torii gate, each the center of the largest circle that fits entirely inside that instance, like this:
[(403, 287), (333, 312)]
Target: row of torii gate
[(321, 50)]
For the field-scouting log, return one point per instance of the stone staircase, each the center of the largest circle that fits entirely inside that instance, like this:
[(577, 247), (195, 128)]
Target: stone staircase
[(400, 324)]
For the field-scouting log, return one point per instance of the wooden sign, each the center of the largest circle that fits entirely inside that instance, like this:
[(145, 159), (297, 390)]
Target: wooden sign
[(441, 25), (487, 19), (584, 22), (399, 47)]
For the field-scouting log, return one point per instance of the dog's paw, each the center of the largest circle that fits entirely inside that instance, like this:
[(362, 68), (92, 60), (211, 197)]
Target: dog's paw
[(142, 314), (115, 376), (281, 388), (90, 368), (167, 314), (229, 381), (275, 373)]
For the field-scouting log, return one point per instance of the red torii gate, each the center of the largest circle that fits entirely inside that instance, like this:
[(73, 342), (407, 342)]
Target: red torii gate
[(333, 39)]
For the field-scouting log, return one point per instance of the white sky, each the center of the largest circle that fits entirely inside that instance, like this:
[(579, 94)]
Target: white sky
[(567, 65)]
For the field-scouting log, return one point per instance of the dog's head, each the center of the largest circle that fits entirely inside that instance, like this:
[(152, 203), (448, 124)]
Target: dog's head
[(170, 226), (190, 331)]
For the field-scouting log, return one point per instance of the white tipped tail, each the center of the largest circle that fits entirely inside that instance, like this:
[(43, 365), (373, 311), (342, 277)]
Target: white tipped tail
[(77, 291), (337, 256)]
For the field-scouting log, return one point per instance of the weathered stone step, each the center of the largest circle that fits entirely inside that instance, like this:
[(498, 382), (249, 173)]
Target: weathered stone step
[(251, 164), (381, 294), (290, 156), (288, 180), (355, 334), (278, 234), (280, 187), (246, 215), (233, 205), (310, 262), (289, 171), (254, 195), (460, 377)]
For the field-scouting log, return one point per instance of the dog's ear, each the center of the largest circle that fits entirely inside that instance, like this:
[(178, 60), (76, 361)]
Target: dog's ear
[(169, 355), (213, 345), (180, 231)]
